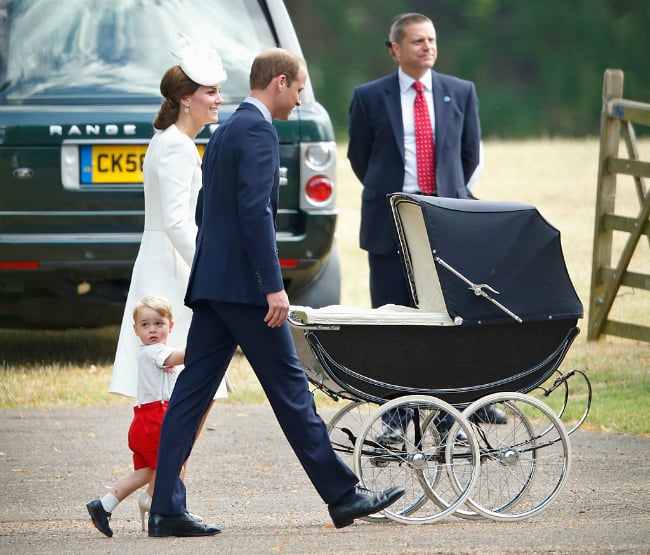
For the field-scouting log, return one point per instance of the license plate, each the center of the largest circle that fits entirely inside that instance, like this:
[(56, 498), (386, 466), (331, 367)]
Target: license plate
[(111, 163)]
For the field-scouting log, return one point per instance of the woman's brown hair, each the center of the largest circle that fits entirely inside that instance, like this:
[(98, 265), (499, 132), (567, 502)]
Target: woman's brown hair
[(174, 85)]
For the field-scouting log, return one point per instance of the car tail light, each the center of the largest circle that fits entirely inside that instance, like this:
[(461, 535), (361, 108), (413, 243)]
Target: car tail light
[(19, 265), (318, 188), (288, 263)]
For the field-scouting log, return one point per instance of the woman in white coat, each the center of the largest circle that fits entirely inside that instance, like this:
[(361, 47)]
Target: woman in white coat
[(172, 179)]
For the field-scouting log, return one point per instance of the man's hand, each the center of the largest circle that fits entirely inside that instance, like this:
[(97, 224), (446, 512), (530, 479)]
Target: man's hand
[(278, 308)]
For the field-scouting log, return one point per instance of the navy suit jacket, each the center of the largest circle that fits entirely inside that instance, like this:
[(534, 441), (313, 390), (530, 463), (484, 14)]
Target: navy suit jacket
[(376, 148), (236, 258)]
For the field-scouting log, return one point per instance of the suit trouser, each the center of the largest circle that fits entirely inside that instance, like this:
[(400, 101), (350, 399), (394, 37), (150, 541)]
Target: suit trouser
[(388, 281), (389, 285), (215, 332)]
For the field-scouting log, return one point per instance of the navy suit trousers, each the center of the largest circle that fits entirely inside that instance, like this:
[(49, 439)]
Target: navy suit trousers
[(216, 330), (388, 281)]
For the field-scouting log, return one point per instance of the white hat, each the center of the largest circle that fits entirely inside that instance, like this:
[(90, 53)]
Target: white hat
[(200, 63)]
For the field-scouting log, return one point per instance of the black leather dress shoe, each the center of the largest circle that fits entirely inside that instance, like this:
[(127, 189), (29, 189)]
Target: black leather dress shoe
[(490, 414), (363, 503), (461, 436), (182, 525), (389, 437), (100, 517), (443, 426)]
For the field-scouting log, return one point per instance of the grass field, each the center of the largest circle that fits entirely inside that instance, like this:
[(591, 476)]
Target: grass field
[(557, 176)]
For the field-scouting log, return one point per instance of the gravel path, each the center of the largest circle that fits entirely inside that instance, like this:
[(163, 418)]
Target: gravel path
[(244, 477)]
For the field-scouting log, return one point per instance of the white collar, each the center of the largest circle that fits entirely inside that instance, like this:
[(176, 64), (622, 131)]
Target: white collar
[(261, 107), (406, 81)]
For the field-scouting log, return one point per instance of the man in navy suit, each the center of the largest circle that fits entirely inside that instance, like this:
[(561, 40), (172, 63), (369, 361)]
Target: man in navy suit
[(237, 296), (382, 150)]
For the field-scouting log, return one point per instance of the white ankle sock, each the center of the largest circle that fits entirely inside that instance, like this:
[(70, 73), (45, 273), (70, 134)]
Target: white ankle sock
[(109, 502)]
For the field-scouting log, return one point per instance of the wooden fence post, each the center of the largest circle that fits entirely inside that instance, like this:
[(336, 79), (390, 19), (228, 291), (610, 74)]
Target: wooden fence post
[(617, 115)]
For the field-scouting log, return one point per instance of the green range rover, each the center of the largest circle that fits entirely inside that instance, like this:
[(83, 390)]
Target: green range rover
[(78, 93)]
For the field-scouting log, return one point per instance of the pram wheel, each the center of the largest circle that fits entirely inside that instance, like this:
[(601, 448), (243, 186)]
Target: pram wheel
[(346, 425), (524, 462), (344, 429), (419, 462)]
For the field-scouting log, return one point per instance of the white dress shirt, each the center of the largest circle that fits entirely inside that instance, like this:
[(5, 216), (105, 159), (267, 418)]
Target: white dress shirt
[(261, 107)]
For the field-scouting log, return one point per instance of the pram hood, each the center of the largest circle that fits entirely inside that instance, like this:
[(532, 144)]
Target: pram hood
[(459, 253)]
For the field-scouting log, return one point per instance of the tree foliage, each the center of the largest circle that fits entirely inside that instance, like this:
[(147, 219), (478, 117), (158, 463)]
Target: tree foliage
[(538, 66)]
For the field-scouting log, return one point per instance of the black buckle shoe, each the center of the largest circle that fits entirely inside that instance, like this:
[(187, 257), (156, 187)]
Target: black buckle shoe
[(363, 503), (182, 525), (100, 517)]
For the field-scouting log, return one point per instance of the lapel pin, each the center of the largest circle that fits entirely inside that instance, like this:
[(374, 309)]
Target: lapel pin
[(446, 99)]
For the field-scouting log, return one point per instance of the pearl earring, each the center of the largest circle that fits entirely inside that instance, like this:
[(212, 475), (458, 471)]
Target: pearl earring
[(186, 109)]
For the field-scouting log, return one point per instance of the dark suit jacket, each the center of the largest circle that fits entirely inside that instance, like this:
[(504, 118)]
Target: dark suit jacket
[(236, 258), (376, 148)]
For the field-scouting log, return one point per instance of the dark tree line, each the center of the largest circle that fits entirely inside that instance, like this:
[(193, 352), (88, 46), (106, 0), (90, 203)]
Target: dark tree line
[(538, 65)]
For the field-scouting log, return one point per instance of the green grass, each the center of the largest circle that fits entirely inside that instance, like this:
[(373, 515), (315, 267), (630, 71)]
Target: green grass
[(619, 374), (72, 368), (41, 369)]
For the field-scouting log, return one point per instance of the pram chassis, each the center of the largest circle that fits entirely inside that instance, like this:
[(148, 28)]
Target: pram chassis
[(483, 358)]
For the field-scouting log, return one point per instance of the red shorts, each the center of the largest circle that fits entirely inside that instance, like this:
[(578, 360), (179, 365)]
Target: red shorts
[(144, 434)]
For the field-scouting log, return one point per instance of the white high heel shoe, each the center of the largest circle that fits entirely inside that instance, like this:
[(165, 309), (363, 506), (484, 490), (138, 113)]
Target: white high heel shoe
[(144, 502), (196, 517)]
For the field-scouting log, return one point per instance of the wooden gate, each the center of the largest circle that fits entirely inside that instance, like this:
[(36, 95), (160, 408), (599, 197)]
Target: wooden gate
[(618, 117)]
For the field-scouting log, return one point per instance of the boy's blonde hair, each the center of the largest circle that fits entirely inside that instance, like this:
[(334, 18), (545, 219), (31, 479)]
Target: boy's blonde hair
[(160, 305)]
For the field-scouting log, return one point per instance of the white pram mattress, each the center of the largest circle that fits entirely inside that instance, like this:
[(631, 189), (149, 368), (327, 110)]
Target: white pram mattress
[(389, 314)]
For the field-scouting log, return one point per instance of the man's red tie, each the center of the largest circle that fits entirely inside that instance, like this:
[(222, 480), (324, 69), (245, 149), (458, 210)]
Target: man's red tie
[(424, 142)]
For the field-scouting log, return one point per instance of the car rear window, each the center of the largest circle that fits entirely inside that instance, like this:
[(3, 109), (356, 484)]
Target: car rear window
[(86, 52)]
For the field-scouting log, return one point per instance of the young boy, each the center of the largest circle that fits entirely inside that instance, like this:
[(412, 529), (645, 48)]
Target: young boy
[(152, 317)]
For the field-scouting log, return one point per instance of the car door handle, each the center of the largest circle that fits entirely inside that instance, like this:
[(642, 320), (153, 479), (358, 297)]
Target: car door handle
[(23, 173)]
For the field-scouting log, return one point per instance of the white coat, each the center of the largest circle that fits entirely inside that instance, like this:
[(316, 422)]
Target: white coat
[(172, 179)]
